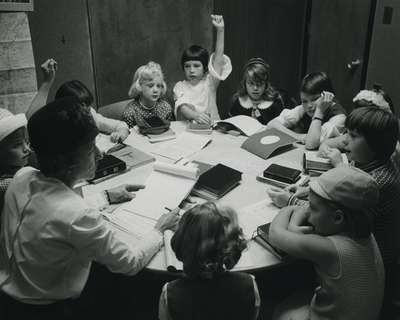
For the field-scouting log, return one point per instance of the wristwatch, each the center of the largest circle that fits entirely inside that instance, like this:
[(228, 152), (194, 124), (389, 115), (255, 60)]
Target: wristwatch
[(317, 118)]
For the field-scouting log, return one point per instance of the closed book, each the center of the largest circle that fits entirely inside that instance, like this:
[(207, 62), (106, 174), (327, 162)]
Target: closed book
[(316, 165), (218, 180), (282, 173), (108, 165), (263, 239)]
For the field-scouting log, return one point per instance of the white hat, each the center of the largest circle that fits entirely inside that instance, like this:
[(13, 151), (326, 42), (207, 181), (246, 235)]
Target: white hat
[(10, 122)]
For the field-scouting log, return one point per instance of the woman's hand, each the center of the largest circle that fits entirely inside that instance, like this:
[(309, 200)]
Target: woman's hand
[(123, 193), (168, 221), (279, 197)]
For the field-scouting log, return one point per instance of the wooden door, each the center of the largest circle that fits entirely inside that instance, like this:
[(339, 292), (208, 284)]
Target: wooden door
[(339, 34), (128, 34), (384, 60), (60, 30), (270, 29)]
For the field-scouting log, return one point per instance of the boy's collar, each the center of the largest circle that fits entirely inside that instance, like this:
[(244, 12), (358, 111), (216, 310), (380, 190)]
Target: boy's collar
[(247, 103)]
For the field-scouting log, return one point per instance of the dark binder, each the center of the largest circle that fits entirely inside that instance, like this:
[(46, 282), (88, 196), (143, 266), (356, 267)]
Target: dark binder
[(219, 180), (263, 239), (109, 165), (282, 173)]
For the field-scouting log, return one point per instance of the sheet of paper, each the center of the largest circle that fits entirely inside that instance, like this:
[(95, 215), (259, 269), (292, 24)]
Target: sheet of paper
[(128, 222), (162, 190), (185, 145), (248, 125), (254, 215)]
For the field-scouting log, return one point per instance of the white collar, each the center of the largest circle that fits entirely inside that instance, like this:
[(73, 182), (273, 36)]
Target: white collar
[(246, 103)]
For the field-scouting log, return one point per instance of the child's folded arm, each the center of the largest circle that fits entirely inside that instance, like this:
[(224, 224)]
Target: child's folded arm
[(315, 248)]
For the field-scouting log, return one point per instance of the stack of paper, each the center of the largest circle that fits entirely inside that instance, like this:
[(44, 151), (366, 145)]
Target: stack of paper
[(185, 145), (167, 186)]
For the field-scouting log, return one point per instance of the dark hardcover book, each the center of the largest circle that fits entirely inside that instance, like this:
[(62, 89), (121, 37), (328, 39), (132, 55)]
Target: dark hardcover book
[(282, 173), (219, 180), (263, 239), (108, 165)]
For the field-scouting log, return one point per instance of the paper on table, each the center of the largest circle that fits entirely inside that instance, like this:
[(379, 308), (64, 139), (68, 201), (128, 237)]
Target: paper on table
[(172, 263), (164, 188), (256, 214), (133, 224), (185, 145)]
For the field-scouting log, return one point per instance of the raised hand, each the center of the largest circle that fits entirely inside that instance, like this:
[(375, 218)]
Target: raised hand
[(324, 102), (49, 68), (217, 21)]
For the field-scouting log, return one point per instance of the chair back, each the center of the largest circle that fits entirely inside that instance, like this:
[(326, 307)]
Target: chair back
[(114, 110)]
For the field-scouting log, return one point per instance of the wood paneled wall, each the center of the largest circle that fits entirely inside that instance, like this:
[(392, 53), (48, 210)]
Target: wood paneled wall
[(127, 34), (273, 30)]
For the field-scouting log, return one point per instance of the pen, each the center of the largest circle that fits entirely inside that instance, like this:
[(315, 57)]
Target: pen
[(166, 208)]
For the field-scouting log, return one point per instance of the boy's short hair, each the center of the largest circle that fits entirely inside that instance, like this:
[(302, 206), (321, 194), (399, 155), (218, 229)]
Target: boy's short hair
[(208, 240), (146, 73), (316, 82), (196, 53), (10, 122), (75, 88), (351, 190), (380, 129)]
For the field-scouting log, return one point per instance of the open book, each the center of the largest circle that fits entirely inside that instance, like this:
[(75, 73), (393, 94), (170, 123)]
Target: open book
[(245, 124)]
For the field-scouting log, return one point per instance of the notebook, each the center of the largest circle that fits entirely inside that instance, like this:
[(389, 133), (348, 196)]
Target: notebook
[(216, 182), (263, 239), (245, 124), (268, 143)]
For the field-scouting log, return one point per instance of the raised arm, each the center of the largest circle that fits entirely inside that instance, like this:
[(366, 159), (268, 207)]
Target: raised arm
[(218, 61), (49, 68)]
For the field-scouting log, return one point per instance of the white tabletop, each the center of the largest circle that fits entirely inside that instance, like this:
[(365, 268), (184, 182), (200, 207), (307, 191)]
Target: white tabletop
[(224, 149)]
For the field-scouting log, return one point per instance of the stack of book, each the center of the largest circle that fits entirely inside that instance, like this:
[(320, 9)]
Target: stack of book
[(315, 165), (281, 176), (216, 182), (262, 238)]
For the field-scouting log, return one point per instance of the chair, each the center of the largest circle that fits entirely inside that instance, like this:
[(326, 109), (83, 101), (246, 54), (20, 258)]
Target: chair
[(114, 110)]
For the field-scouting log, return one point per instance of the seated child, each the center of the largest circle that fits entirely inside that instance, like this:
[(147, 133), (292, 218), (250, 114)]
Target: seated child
[(118, 130), (14, 148), (209, 242), (256, 97), (14, 144), (195, 97), (49, 235), (345, 255), (147, 90), (375, 97), (319, 116)]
